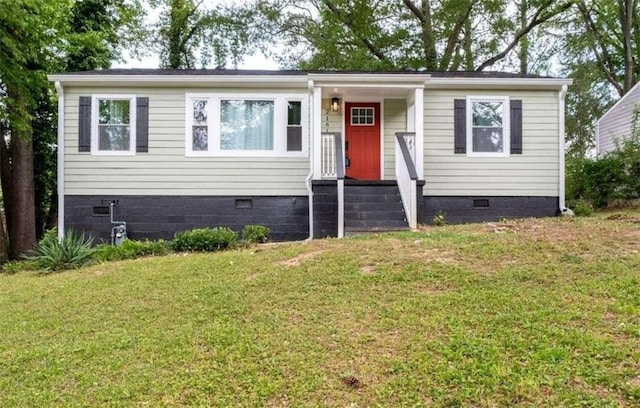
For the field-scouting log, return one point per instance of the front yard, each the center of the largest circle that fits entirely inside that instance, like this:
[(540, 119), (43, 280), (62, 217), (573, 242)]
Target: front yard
[(527, 313)]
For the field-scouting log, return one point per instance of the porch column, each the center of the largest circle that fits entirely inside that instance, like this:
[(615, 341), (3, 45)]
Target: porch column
[(418, 117), (316, 132)]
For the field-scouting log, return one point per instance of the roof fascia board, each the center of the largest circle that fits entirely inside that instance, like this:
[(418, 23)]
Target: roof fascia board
[(183, 79), (495, 83), (620, 102), (357, 79)]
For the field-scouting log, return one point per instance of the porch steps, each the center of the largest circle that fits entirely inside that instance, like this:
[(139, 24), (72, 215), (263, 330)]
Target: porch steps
[(373, 206)]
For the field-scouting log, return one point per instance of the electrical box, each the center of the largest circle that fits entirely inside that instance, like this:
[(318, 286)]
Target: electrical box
[(119, 234)]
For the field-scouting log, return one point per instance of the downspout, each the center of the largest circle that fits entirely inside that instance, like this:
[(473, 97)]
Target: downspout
[(310, 144), (60, 170), (561, 135)]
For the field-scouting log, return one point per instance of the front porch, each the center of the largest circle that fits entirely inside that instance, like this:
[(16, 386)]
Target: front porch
[(367, 152)]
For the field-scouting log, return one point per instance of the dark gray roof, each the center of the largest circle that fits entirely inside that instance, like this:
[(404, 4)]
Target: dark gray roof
[(151, 71)]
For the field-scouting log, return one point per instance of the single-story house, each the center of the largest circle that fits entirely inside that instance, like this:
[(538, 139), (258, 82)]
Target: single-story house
[(309, 154), (618, 122)]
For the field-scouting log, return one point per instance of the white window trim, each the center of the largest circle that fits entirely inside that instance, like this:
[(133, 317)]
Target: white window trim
[(279, 122), (361, 124), (506, 126), (95, 151)]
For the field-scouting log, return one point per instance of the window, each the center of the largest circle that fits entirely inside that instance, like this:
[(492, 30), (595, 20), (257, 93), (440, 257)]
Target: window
[(199, 126), (294, 126), (362, 116), (245, 125), (488, 126), (112, 121)]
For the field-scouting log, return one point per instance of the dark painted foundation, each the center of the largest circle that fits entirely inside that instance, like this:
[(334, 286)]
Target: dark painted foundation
[(460, 210), (325, 208), (161, 217)]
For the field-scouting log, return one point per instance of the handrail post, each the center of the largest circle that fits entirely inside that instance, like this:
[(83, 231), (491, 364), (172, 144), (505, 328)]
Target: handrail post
[(340, 182)]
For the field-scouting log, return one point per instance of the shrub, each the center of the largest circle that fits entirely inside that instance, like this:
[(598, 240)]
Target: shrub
[(603, 181), (14, 267), (440, 218), (74, 250), (204, 239), (256, 234), (131, 249), (582, 208)]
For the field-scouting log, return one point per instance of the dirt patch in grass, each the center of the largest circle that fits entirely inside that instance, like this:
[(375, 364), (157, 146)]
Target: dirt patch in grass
[(299, 259), (368, 270), (436, 255)]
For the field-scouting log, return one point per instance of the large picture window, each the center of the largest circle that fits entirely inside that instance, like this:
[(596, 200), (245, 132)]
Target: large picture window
[(246, 125), (488, 126), (113, 132)]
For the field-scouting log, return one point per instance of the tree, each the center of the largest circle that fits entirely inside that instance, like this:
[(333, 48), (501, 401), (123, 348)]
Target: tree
[(190, 34), (27, 30), (601, 51), (38, 37), (437, 36), (608, 36)]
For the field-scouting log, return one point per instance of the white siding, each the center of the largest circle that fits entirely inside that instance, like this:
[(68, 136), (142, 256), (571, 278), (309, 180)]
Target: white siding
[(165, 170), (395, 120), (331, 121), (617, 123), (532, 173)]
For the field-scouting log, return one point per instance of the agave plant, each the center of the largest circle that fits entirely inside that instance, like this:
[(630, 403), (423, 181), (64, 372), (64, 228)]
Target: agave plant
[(72, 251)]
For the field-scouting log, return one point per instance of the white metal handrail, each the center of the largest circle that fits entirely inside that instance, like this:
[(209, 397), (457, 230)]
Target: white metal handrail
[(406, 177)]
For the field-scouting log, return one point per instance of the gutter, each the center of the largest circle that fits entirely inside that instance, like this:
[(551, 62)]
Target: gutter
[(538, 83), (168, 80), (60, 169), (561, 147), (307, 180)]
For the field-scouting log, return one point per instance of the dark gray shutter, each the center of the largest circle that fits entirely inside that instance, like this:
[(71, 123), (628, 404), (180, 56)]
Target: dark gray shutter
[(516, 126), (84, 124), (460, 125), (142, 125)]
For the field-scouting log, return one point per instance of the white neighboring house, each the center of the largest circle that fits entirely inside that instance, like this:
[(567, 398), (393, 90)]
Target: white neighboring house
[(618, 122)]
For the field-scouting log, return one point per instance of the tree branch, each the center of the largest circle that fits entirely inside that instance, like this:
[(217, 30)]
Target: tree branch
[(603, 59), (416, 11), (453, 38), (537, 19), (348, 23)]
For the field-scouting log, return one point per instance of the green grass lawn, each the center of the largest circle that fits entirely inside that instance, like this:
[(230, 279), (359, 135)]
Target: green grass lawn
[(527, 313)]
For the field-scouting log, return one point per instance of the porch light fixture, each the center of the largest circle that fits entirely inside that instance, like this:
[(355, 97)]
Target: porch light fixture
[(335, 104)]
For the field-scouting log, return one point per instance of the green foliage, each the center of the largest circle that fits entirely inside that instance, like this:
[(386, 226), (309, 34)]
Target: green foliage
[(582, 208), (74, 250), (14, 267), (440, 218), (191, 33), (131, 249), (615, 176), (256, 234), (205, 239), (448, 35)]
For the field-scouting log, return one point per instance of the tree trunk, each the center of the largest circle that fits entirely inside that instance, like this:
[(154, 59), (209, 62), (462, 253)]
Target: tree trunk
[(626, 20), (468, 51), (430, 52), (18, 183), (4, 244), (4, 241), (22, 221), (524, 41)]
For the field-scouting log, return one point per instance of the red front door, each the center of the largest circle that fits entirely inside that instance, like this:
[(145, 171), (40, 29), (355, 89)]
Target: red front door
[(362, 140)]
